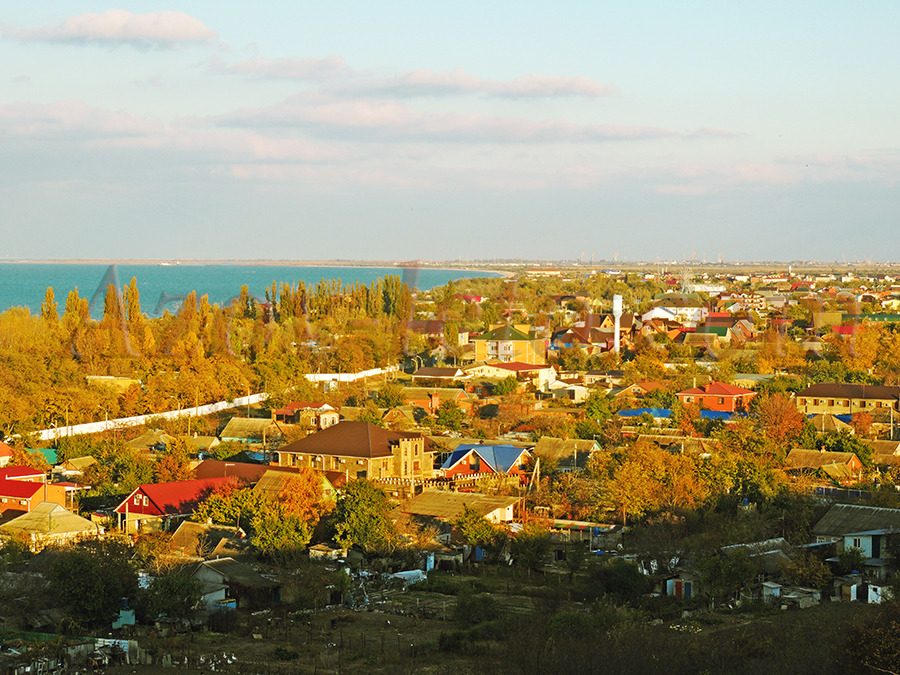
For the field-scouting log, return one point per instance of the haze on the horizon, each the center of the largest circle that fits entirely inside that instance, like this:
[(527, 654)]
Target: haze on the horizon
[(465, 130)]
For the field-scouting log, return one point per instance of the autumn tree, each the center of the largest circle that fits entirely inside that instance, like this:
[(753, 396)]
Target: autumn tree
[(779, 419), (48, 309), (862, 424), (174, 465)]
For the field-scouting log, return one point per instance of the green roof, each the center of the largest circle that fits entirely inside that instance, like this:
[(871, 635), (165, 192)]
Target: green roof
[(504, 333)]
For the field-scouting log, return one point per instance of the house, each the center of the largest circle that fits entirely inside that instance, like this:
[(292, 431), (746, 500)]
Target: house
[(312, 414), (227, 579), (25, 473), (571, 454), (846, 399), (275, 482), (75, 466), (840, 466), (204, 541), (23, 496), (507, 343), (718, 396), (430, 373), (155, 506), (847, 519), (50, 524), (448, 506), (252, 431), (154, 440), (685, 309), (469, 459), (362, 450), (606, 378), (430, 399)]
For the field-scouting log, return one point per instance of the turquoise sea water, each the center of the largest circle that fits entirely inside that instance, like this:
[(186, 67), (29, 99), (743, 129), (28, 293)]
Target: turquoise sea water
[(162, 287)]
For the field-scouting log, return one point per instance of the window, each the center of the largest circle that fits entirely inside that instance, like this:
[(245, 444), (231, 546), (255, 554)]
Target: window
[(23, 502), (857, 542), (137, 500), (146, 501), (721, 400), (4, 500)]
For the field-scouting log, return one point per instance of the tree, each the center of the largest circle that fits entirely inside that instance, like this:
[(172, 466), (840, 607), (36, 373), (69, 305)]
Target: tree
[(275, 529), (530, 546), (724, 574), (175, 464), (361, 518), (389, 396), (479, 531), (851, 559), (780, 420), (862, 424), (303, 496), (90, 579), (807, 571), (175, 596), (509, 385), (450, 415), (49, 308)]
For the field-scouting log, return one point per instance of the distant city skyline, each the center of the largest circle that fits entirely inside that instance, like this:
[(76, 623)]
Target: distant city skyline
[(396, 131)]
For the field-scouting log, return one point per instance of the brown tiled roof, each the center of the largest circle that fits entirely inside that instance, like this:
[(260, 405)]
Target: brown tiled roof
[(349, 439)]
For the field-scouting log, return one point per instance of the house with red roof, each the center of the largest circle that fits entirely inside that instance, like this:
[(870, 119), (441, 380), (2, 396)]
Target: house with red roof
[(718, 396), (22, 473), (22, 496), (315, 414), (152, 506)]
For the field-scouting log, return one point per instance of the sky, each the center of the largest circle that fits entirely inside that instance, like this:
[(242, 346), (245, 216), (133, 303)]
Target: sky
[(450, 131)]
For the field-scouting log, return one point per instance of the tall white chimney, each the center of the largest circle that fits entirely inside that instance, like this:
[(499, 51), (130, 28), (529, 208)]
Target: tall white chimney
[(617, 315)]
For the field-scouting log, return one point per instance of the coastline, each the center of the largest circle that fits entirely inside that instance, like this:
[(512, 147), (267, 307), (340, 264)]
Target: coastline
[(380, 264)]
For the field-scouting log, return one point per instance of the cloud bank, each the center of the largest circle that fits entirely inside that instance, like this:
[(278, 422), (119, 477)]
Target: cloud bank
[(119, 26)]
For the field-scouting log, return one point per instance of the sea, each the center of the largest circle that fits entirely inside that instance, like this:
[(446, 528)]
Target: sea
[(164, 286)]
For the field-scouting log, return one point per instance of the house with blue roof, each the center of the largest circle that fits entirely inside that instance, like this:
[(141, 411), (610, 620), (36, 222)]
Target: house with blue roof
[(469, 459)]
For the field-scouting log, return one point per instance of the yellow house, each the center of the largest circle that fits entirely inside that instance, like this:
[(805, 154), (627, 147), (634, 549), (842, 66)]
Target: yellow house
[(508, 343)]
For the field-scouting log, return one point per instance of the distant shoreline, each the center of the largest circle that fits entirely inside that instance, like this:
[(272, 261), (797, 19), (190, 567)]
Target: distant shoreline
[(379, 264)]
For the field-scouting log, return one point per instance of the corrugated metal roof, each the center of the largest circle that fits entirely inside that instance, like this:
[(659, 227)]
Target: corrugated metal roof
[(843, 519)]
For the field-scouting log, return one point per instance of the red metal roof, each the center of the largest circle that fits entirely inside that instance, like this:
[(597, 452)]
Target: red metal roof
[(19, 472), (19, 489), (174, 498)]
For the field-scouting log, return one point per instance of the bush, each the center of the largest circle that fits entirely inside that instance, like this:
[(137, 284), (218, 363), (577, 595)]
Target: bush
[(476, 608)]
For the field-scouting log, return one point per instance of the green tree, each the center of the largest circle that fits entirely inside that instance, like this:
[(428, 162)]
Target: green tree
[(450, 415), (362, 518), (175, 596), (508, 385), (389, 396), (530, 546), (851, 559), (91, 579)]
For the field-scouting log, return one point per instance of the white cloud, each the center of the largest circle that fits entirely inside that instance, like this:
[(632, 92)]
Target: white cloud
[(314, 68), (387, 120), (119, 26), (421, 82)]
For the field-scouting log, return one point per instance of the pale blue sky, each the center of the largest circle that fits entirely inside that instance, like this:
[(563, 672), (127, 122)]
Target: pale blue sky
[(475, 130)]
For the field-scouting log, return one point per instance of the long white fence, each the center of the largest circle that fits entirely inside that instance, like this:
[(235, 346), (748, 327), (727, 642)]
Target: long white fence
[(351, 377), (199, 411), (137, 420)]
